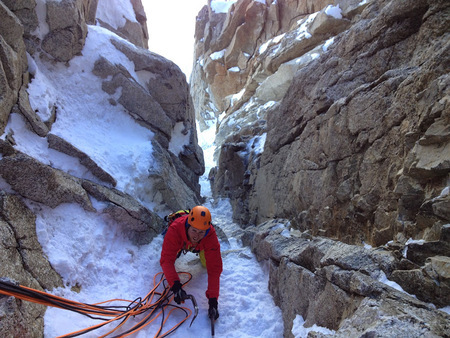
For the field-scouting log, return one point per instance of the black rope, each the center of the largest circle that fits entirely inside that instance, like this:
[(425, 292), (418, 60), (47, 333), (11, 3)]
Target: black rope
[(123, 312)]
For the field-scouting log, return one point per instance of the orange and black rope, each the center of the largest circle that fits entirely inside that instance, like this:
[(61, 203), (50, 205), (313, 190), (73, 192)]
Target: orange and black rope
[(154, 305)]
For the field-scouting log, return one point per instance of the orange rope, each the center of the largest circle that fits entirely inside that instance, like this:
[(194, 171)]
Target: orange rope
[(152, 305)]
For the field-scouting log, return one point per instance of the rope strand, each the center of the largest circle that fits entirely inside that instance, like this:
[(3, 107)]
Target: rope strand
[(153, 305)]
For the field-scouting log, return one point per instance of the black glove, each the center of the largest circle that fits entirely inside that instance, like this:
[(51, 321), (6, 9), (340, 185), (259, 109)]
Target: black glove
[(178, 292), (213, 312)]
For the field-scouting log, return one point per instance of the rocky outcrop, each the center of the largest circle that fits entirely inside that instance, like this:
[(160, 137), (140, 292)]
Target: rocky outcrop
[(137, 221), (344, 287), (67, 29), (24, 106), (233, 50), (424, 269), (159, 102), (41, 183), (351, 128), (19, 226)]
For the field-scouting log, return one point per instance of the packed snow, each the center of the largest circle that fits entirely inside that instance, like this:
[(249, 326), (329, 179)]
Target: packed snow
[(112, 17), (334, 11), (327, 44), (178, 139), (217, 55), (299, 330), (221, 6)]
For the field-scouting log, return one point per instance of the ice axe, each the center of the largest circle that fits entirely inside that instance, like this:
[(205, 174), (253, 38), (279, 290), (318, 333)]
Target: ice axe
[(212, 318), (194, 303)]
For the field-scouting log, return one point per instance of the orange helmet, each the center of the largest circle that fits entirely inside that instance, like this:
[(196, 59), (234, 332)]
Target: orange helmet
[(200, 218)]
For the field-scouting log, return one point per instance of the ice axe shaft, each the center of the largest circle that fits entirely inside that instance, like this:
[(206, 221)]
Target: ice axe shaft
[(212, 317)]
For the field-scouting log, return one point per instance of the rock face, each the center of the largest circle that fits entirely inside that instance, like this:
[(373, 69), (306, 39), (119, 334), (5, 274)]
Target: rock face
[(335, 116), (343, 287), (35, 33), (356, 140), (22, 260), (13, 61)]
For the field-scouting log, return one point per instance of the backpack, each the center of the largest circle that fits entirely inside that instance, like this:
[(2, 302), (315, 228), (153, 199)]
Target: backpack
[(172, 217)]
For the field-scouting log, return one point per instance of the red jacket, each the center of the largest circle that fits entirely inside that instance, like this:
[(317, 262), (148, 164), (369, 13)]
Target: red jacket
[(176, 240)]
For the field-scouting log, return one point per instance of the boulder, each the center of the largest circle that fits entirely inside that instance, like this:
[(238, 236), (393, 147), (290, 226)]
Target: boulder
[(26, 12), (20, 223), (167, 186), (419, 252), (42, 183), (163, 79), (37, 125), (139, 224), (395, 314), (136, 100), (433, 281), (67, 29)]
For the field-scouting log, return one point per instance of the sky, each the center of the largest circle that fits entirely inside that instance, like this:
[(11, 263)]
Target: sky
[(171, 27)]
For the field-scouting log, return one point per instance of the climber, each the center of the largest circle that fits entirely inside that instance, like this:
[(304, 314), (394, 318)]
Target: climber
[(193, 232)]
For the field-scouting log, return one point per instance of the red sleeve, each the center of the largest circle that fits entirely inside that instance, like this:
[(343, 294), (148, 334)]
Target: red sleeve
[(171, 245), (213, 264)]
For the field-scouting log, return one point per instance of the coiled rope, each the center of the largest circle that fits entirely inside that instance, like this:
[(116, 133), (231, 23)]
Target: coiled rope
[(154, 305)]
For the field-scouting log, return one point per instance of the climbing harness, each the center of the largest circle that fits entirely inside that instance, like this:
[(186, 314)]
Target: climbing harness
[(152, 306)]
